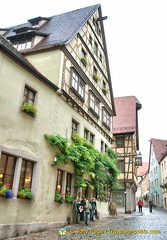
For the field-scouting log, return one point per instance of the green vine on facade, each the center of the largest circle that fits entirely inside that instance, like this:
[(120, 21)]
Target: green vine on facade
[(87, 160)]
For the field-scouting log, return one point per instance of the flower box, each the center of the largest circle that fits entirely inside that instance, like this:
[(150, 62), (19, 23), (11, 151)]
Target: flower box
[(105, 90), (29, 108), (25, 193), (6, 192), (95, 77), (84, 61)]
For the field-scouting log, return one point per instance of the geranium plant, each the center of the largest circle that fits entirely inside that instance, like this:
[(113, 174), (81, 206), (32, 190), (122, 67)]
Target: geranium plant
[(59, 197), (6, 192), (70, 198), (25, 192), (29, 108)]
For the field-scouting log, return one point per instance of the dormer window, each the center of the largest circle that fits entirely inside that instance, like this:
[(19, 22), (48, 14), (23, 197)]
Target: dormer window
[(24, 44), (38, 21), (35, 24)]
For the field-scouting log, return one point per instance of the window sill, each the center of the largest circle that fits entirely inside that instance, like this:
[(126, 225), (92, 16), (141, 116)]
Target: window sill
[(77, 94), (106, 126), (94, 113)]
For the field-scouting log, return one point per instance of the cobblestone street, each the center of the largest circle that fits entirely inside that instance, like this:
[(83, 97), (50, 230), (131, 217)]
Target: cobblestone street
[(123, 226)]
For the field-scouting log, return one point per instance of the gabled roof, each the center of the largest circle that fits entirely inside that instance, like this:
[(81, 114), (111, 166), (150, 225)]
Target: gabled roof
[(159, 147), (12, 52), (125, 120), (60, 28), (142, 170)]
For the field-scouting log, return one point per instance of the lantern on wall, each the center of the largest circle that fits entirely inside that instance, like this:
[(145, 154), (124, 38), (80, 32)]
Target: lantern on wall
[(138, 160)]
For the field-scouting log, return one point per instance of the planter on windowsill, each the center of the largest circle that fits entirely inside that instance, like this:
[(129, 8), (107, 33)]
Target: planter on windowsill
[(84, 61), (6, 192), (29, 108), (105, 90), (95, 77), (25, 193)]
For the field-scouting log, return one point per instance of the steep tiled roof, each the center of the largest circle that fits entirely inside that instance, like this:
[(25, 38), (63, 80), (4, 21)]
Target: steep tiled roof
[(60, 28), (125, 119), (142, 170), (160, 148)]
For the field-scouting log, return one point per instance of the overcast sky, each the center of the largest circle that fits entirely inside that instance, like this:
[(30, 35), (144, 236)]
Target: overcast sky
[(136, 35)]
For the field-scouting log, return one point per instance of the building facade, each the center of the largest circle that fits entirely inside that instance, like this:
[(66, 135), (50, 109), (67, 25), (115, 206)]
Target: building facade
[(163, 183), (157, 151), (143, 183), (58, 65), (126, 145)]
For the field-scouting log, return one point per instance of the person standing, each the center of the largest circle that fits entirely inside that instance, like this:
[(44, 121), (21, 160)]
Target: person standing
[(140, 204), (150, 205), (92, 211), (82, 215), (86, 210), (79, 210)]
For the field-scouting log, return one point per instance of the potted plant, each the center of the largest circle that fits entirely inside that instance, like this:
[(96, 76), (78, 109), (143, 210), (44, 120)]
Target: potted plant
[(6, 192), (29, 108), (95, 77), (26, 193), (84, 61)]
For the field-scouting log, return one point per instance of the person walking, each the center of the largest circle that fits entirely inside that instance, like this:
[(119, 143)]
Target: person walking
[(92, 210), (150, 205), (140, 204)]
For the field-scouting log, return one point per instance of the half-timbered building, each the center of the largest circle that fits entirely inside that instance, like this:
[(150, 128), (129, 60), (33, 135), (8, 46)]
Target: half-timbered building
[(60, 65), (126, 145)]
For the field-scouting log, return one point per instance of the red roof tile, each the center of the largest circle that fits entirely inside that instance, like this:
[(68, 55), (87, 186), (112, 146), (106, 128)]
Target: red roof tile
[(125, 119), (160, 148)]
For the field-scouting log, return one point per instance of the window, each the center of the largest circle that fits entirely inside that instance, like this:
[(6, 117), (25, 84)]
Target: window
[(102, 146), (100, 57), (83, 54), (96, 48), (104, 84), (7, 168), (94, 104), (59, 181), (24, 44), (68, 183), (94, 71), (29, 95), (26, 173), (119, 141), (78, 84), (90, 39), (86, 134), (91, 138), (106, 148), (74, 126), (106, 117)]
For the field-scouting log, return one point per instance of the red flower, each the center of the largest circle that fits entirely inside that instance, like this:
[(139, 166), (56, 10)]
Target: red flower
[(8, 184), (62, 194), (57, 190), (75, 194)]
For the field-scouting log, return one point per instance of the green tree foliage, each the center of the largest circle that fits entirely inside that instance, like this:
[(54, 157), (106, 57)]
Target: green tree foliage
[(87, 160)]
